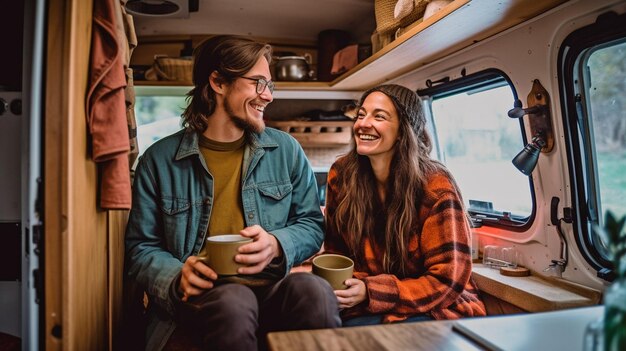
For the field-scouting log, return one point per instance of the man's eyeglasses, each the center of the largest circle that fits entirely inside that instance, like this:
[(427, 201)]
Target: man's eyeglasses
[(261, 84)]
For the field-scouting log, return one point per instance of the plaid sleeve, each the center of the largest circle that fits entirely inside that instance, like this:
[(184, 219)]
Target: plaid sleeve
[(443, 245)]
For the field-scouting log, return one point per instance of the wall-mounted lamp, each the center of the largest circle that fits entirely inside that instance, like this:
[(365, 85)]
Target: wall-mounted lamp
[(540, 126), (527, 159)]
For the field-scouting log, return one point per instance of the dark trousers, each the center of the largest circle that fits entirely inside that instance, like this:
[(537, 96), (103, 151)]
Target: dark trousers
[(238, 317)]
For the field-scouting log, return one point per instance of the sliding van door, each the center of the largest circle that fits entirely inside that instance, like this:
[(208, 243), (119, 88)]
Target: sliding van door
[(20, 159), (32, 179)]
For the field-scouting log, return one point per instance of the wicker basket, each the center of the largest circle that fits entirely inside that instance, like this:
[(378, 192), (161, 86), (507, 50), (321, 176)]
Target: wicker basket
[(385, 20), (171, 68)]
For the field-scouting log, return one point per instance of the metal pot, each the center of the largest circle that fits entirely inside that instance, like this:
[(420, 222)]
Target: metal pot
[(293, 68)]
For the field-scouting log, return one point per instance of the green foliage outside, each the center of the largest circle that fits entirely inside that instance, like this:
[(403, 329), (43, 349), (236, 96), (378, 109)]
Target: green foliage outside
[(606, 94), (150, 109), (607, 73), (612, 173)]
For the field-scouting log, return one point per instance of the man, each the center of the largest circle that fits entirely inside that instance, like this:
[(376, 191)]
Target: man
[(225, 173)]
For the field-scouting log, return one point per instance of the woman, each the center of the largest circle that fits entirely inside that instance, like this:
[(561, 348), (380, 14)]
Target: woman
[(399, 215)]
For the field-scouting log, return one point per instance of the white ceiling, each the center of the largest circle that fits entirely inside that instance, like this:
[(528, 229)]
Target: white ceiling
[(281, 19)]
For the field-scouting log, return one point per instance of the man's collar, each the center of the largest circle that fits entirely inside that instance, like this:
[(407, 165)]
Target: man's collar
[(262, 140), (189, 143)]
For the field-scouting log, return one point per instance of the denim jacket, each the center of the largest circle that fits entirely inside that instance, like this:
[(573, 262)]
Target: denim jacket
[(172, 202)]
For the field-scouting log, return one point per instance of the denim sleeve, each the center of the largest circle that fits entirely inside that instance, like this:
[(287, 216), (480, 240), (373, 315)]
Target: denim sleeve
[(304, 233), (147, 262)]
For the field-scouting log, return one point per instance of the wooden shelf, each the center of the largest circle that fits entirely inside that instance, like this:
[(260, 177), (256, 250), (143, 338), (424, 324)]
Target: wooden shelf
[(279, 85), (460, 24), (316, 133), (284, 91)]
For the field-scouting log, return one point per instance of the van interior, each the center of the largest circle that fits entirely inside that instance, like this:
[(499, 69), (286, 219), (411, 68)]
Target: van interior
[(524, 100)]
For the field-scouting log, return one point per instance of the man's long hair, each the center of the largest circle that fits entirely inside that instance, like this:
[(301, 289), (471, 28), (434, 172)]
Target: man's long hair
[(410, 168), (231, 57)]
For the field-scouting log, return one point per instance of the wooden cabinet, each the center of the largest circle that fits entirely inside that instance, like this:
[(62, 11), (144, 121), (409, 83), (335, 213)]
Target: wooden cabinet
[(450, 30)]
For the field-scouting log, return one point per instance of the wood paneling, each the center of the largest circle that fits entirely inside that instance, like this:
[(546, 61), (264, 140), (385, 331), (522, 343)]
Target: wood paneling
[(116, 229), (83, 244), (55, 164)]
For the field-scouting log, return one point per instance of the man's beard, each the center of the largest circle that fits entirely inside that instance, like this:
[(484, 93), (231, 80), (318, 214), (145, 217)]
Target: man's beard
[(246, 124)]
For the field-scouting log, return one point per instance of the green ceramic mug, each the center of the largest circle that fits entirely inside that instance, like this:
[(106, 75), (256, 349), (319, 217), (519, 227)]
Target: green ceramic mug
[(333, 268), (221, 251)]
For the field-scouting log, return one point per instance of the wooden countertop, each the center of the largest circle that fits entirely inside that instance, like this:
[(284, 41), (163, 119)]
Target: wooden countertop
[(534, 293)]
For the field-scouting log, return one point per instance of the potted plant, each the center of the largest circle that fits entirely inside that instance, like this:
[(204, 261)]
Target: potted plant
[(614, 234)]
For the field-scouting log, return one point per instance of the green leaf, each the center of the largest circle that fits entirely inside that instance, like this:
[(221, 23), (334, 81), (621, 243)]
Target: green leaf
[(621, 268), (613, 227), (614, 235)]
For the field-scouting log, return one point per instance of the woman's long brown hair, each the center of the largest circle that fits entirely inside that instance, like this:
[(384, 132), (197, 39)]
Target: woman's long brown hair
[(358, 200)]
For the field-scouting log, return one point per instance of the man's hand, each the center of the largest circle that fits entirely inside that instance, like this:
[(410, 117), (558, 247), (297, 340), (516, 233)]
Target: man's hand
[(259, 253), (195, 278), (353, 295)]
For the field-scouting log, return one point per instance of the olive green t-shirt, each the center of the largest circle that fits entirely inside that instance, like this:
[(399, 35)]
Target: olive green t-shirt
[(224, 161)]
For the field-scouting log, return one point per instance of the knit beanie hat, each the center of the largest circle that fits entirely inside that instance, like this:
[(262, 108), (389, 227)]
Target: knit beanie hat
[(406, 100)]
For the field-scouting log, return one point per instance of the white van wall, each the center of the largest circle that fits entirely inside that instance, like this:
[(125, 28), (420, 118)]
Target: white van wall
[(521, 53)]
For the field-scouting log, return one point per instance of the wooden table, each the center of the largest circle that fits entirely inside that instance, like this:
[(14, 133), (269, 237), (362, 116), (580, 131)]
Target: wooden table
[(558, 330), (431, 336)]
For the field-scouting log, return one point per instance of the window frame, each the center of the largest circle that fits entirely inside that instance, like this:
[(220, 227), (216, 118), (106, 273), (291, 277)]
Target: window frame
[(578, 45), (481, 80)]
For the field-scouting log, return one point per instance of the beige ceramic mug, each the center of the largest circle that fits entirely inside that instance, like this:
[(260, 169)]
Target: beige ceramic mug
[(221, 251), (333, 268)]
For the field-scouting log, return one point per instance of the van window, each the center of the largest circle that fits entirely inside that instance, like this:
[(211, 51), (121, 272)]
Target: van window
[(607, 123), (157, 117), (593, 79), (603, 127), (476, 140)]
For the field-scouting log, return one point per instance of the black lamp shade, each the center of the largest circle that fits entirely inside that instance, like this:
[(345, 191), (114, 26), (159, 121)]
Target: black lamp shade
[(526, 160)]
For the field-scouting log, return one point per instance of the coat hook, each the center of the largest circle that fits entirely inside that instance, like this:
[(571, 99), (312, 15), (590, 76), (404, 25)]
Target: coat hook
[(539, 116)]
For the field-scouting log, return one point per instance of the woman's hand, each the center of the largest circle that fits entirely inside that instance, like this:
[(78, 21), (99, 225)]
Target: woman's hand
[(259, 253), (353, 295), (196, 277)]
